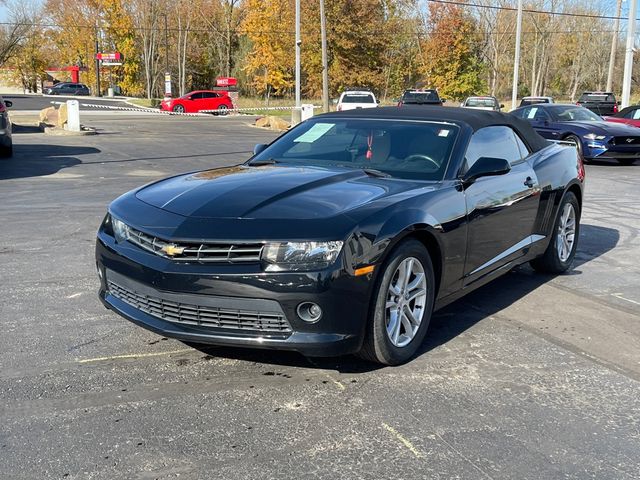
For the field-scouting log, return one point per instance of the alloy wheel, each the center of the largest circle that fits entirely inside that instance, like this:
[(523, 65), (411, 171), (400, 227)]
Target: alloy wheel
[(406, 300), (566, 232)]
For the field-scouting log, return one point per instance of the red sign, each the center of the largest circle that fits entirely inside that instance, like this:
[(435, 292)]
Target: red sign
[(109, 56), (226, 81)]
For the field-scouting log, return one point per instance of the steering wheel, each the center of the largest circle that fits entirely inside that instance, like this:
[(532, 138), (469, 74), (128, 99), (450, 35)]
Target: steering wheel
[(418, 157)]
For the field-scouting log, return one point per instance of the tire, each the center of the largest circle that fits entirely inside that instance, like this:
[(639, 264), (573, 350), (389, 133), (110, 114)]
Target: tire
[(626, 161), (556, 258), (383, 343), (6, 151), (178, 108), (222, 110), (575, 140)]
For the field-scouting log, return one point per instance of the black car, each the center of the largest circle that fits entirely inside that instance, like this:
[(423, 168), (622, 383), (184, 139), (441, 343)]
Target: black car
[(344, 234), (594, 137), (602, 103), (68, 88), (6, 142), (420, 97)]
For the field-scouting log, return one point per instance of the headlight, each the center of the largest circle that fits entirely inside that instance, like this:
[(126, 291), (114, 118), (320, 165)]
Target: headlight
[(120, 230), (300, 256), (593, 136)]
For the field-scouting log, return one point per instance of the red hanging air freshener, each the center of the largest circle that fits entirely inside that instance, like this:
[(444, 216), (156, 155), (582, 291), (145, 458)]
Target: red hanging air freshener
[(369, 144)]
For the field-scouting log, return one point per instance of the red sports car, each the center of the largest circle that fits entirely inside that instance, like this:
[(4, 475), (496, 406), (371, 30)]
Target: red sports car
[(194, 102), (629, 115)]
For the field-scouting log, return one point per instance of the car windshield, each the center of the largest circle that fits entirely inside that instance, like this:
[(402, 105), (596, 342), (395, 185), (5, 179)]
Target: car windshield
[(597, 97), (428, 96), (358, 98), (569, 113), (402, 149), (480, 102)]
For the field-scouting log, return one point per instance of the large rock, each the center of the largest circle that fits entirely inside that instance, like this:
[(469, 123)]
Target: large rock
[(262, 122), (278, 123), (62, 116), (49, 116)]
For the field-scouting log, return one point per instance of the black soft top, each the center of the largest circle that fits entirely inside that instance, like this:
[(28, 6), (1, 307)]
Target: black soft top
[(476, 119)]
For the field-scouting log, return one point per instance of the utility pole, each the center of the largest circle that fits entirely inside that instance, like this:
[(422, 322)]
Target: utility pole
[(325, 66), (97, 67), (298, 44), (628, 58), (516, 60), (614, 46), (167, 73), (166, 44)]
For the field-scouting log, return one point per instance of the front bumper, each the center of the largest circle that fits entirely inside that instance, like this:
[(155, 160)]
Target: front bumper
[(593, 151), (198, 291)]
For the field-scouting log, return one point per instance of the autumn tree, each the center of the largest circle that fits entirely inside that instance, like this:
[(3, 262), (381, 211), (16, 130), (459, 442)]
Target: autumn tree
[(451, 52), (268, 24)]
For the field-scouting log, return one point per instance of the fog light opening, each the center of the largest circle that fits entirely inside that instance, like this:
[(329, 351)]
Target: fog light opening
[(309, 312)]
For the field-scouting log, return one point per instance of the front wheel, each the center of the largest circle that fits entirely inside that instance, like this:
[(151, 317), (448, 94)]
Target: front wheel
[(559, 255), (6, 151), (402, 306), (178, 109), (576, 141)]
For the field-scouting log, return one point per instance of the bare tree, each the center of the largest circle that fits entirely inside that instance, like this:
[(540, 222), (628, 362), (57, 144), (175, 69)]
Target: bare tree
[(146, 18), (16, 30)]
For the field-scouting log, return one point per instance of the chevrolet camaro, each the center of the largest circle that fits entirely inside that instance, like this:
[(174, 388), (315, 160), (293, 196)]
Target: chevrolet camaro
[(344, 234)]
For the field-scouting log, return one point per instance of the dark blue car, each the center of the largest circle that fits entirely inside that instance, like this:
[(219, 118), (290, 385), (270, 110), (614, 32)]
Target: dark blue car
[(595, 138)]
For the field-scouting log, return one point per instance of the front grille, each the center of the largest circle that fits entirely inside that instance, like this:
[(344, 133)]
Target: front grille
[(630, 140), (197, 252), (249, 322)]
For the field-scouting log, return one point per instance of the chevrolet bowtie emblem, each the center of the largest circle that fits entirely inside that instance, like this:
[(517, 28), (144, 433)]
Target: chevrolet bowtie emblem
[(172, 250)]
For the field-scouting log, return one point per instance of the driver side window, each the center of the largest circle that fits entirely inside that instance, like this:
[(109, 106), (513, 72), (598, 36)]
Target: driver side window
[(498, 142)]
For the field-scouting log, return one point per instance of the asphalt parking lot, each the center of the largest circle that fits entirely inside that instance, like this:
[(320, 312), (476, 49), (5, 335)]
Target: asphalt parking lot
[(531, 377)]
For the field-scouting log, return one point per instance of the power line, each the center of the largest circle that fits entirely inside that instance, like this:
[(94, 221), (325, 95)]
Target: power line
[(529, 10), (239, 31)]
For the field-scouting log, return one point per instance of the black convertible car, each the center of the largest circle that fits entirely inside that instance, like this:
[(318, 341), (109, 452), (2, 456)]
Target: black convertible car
[(344, 234)]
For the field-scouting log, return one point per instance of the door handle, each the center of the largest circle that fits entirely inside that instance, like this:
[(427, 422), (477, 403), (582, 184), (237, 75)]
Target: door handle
[(529, 182)]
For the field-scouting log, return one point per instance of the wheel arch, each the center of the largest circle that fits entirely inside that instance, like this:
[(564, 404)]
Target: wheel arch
[(427, 235)]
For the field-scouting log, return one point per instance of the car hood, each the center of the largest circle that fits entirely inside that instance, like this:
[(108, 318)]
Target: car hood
[(605, 128), (273, 192)]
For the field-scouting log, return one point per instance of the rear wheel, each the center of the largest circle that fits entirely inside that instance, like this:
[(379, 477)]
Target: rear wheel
[(222, 110), (402, 306), (178, 108), (562, 247)]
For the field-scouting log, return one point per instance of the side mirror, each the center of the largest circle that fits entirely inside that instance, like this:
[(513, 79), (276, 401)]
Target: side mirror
[(8, 103), (259, 148), (486, 167)]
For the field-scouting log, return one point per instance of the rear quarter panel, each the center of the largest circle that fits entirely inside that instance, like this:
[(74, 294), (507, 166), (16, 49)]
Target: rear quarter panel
[(558, 169)]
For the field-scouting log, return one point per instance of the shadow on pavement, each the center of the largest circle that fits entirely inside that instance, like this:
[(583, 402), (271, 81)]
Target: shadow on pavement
[(447, 323), (454, 319), (17, 128), (41, 159)]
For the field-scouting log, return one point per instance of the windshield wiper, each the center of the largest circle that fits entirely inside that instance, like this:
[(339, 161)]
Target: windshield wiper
[(372, 172), (259, 163)]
